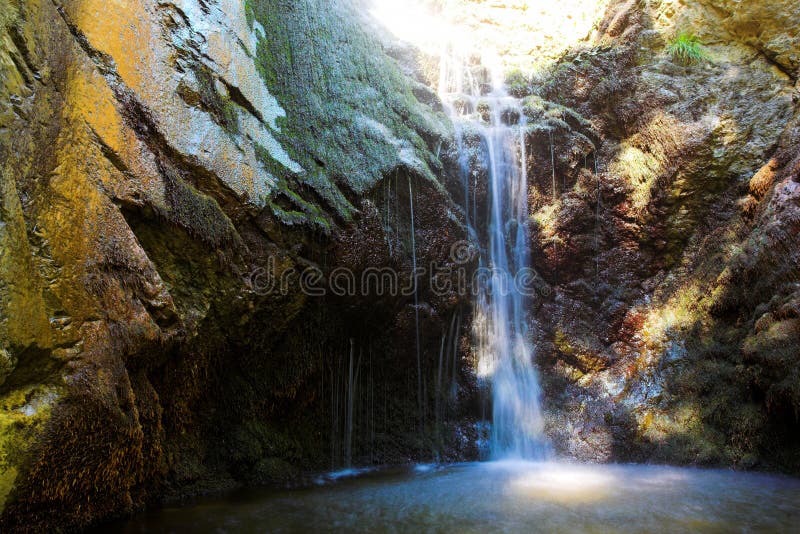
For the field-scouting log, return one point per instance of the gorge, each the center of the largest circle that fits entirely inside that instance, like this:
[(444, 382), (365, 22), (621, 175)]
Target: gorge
[(271, 244)]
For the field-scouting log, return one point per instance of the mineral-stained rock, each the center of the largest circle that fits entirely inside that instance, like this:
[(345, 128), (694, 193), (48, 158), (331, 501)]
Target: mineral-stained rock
[(167, 172), (177, 178), (673, 244)]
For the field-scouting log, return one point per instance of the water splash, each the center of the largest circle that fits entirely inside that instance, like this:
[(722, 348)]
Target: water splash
[(500, 327)]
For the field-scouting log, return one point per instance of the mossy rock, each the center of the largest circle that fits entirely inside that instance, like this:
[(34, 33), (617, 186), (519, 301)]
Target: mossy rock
[(24, 413), (261, 451), (353, 125)]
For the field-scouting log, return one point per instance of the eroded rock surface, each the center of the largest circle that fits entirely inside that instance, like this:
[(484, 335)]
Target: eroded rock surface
[(170, 168), (162, 164), (669, 235)]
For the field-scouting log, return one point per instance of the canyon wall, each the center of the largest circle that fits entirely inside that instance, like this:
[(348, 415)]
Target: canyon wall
[(177, 174), (170, 173), (669, 236)]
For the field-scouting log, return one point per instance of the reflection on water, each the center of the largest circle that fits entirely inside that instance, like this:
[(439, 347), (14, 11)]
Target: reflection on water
[(565, 483), (504, 497)]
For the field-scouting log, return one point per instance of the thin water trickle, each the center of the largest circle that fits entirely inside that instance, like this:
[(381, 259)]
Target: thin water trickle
[(597, 222), (351, 382), (420, 399), (505, 354)]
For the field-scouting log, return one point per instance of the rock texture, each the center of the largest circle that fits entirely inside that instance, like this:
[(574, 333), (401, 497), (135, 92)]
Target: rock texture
[(178, 177), (164, 162), (669, 233)]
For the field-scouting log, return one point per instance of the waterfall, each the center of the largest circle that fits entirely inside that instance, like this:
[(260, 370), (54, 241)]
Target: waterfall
[(504, 352)]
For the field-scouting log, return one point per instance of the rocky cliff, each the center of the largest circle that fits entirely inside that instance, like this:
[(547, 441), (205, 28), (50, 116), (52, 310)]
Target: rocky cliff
[(170, 172), (179, 177), (666, 220)]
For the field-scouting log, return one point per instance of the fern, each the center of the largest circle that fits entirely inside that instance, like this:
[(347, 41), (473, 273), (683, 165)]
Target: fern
[(687, 49)]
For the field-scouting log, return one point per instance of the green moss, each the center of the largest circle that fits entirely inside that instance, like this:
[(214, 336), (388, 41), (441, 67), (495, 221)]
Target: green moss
[(7, 364), (220, 106), (287, 205), (260, 452), (536, 109), (193, 275), (274, 470), (518, 84), (248, 13), (352, 114), (199, 214)]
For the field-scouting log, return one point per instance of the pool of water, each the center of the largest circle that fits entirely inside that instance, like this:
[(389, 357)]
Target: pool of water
[(503, 497)]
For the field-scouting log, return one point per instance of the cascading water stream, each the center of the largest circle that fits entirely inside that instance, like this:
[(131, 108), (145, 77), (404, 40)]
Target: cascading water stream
[(505, 355)]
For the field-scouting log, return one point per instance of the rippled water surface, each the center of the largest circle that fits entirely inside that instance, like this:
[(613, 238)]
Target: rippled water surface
[(504, 497)]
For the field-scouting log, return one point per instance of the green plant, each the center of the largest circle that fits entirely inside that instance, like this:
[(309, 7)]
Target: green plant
[(687, 49), (518, 84)]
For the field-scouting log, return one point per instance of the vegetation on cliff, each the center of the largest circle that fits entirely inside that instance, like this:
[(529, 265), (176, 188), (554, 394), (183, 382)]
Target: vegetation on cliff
[(140, 355), (660, 342), (686, 48), (159, 161)]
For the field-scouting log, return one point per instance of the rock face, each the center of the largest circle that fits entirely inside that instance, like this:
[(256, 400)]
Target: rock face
[(669, 233), (172, 174), (195, 194)]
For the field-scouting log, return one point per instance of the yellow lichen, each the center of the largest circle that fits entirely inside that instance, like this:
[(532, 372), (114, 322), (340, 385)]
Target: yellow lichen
[(23, 414), (120, 32), (563, 344), (546, 219), (677, 314)]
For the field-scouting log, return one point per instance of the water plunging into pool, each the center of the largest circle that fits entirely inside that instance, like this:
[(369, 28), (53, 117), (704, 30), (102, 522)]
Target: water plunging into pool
[(501, 332), (503, 496)]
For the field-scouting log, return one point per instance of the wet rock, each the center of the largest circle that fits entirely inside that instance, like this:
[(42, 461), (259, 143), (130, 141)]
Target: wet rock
[(172, 174), (656, 236)]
